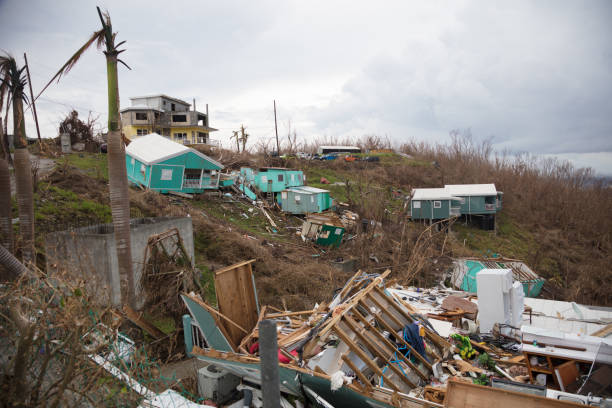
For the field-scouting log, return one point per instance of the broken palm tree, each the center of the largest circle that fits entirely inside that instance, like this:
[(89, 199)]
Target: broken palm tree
[(363, 348)]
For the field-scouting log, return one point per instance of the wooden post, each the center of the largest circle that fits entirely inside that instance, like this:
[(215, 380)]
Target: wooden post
[(270, 382), (32, 99), (276, 130)]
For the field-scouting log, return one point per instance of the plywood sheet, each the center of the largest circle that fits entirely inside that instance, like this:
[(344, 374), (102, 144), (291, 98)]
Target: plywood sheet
[(466, 395), (236, 298)]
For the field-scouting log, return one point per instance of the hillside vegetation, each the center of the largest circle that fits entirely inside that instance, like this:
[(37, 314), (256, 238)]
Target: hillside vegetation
[(555, 218)]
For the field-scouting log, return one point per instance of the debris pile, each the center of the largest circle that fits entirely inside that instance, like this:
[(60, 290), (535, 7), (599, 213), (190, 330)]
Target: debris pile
[(380, 343)]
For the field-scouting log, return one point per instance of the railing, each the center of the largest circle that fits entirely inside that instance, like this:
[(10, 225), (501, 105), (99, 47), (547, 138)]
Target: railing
[(197, 336), (191, 183)]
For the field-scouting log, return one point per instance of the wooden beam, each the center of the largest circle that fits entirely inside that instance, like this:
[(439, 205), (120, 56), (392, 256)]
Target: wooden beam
[(375, 349), (234, 266), (401, 339), (137, 319), (363, 356), (353, 302), (603, 332), (357, 372), (460, 394), (286, 314), (387, 342)]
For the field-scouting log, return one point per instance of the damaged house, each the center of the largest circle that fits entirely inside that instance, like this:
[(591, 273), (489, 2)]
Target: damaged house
[(159, 164)]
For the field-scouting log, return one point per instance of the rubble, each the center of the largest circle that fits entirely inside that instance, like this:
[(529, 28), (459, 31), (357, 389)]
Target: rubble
[(382, 345)]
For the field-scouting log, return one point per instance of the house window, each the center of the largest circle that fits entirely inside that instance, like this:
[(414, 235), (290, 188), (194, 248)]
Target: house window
[(338, 231), (312, 199), (284, 195), (416, 204), (132, 161), (292, 177), (179, 118), (142, 132), (172, 107), (280, 177), (166, 174), (201, 137), (297, 198), (143, 169), (180, 136), (141, 116), (437, 204), (264, 179)]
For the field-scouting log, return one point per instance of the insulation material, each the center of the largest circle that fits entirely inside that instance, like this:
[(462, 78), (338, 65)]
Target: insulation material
[(517, 302)]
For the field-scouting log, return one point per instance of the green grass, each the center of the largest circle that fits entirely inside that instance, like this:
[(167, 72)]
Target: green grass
[(93, 164), (511, 240), (54, 205)]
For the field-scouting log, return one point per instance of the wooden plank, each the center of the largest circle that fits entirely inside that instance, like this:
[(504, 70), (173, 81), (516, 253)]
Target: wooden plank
[(363, 356), (375, 349), (461, 394), (353, 302), (286, 314), (236, 299), (387, 342), (349, 285), (137, 319), (234, 266), (603, 332), (357, 372), (400, 338)]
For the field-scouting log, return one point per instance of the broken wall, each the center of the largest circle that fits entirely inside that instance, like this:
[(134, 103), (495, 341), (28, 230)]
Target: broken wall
[(89, 254)]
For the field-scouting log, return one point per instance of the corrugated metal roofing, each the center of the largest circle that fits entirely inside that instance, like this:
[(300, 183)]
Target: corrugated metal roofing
[(308, 189), (153, 148), (432, 194), (471, 189)]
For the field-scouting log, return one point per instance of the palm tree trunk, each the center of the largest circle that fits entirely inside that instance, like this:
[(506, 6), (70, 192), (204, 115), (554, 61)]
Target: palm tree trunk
[(6, 226), (23, 181), (118, 182)]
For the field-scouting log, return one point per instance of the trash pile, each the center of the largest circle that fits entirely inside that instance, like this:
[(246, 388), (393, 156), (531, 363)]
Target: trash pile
[(380, 344)]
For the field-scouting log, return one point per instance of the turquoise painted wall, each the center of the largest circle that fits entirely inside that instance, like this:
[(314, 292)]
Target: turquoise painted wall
[(135, 173), (478, 204), (425, 212), (192, 161), (151, 177), (273, 180), (308, 202)]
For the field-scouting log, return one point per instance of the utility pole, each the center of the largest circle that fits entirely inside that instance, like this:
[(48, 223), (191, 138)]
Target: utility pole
[(276, 130), (32, 99)]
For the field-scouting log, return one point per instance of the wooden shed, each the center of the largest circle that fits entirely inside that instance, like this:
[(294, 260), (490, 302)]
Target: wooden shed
[(433, 204), (157, 163), (304, 200)]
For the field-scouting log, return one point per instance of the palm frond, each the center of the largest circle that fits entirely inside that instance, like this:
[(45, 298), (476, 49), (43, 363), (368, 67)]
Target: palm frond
[(126, 65), (95, 37)]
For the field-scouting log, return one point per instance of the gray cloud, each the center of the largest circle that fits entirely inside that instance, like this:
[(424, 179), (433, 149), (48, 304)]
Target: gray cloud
[(537, 76)]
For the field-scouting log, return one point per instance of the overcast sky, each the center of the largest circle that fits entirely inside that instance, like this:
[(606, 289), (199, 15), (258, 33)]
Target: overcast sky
[(535, 76)]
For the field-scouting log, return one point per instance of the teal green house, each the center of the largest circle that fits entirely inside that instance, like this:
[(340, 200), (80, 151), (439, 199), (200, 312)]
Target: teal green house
[(157, 163), (433, 204), (478, 199), (272, 180), (305, 200)]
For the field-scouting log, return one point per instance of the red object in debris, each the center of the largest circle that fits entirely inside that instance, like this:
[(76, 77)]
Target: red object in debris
[(284, 359), (254, 347), (324, 180)]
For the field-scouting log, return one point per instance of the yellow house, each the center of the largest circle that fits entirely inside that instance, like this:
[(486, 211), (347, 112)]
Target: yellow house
[(166, 116)]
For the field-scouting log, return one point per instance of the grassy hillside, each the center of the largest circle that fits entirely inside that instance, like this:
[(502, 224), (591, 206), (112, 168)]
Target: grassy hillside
[(539, 223)]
